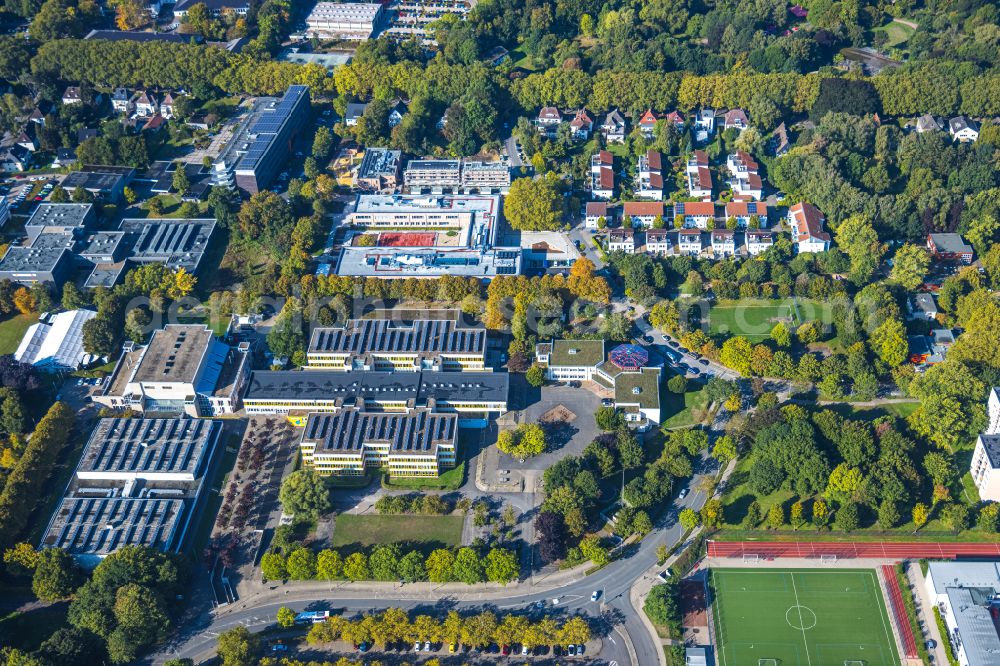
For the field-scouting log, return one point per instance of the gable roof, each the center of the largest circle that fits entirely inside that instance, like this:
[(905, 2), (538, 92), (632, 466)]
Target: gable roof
[(642, 208), (674, 117), (654, 159), (744, 158), (614, 119), (581, 119), (648, 118), (598, 208), (746, 208), (734, 116), (808, 222), (549, 113), (959, 123), (696, 208), (704, 178)]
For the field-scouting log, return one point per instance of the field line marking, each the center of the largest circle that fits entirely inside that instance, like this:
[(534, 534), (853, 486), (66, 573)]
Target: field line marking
[(717, 615), (883, 608), (801, 623)]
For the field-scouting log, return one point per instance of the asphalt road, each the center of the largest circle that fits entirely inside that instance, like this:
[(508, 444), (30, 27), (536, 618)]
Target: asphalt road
[(612, 609)]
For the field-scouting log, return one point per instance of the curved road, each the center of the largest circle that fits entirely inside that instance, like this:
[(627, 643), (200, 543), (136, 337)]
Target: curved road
[(613, 611)]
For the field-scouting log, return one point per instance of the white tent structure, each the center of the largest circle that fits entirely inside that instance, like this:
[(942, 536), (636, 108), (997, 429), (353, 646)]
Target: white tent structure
[(56, 344)]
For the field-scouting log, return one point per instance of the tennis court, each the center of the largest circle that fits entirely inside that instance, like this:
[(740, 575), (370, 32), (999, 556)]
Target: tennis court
[(800, 617), (407, 239)]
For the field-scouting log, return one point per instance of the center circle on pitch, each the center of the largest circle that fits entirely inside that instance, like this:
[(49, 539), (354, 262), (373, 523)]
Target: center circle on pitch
[(800, 617)]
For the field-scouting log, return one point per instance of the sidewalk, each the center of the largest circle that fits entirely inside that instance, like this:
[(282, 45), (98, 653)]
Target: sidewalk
[(258, 593), (925, 614), (641, 587)]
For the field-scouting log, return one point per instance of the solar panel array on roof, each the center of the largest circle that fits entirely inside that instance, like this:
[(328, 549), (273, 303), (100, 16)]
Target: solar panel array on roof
[(146, 448), (101, 525), (361, 336), (351, 429), (268, 125)]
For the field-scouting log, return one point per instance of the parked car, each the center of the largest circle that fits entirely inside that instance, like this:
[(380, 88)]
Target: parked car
[(525, 650), (427, 646), (684, 493), (505, 650), (703, 361), (279, 647), (451, 647), (579, 649), (571, 650), (416, 646)]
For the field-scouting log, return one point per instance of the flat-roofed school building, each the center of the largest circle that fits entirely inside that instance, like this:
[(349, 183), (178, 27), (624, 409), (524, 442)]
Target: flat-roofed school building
[(386, 344), (475, 394), (416, 443), (138, 482)]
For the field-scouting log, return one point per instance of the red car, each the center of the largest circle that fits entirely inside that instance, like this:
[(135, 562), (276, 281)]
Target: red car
[(505, 650)]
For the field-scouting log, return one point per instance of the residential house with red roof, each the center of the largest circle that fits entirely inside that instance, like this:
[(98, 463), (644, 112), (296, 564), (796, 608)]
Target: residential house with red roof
[(649, 176), (745, 180), (642, 213), (699, 178), (581, 125), (602, 175), (696, 214), (746, 211), (647, 123), (806, 222)]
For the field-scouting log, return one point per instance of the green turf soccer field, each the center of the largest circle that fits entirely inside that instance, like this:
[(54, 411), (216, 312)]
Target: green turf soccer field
[(800, 618)]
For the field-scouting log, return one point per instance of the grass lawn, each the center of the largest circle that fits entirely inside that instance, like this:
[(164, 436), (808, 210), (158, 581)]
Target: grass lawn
[(26, 631), (896, 33), (369, 530), (449, 480), (753, 319), (682, 407), (801, 617), (12, 330)]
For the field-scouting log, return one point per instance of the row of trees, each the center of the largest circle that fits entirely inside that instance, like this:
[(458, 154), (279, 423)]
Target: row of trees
[(391, 563), (24, 484), (475, 631)]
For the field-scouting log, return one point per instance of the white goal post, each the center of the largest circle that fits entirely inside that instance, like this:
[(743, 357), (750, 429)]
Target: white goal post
[(853, 662), (767, 662), (828, 559), (751, 557)]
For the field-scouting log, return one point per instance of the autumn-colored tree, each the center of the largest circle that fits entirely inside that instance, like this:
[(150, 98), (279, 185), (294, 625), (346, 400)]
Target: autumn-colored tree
[(920, 515), (130, 14), (24, 301)]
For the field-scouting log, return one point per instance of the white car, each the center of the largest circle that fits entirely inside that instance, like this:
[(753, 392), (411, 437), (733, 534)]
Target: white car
[(416, 646), (524, 649), (555, 601), (596, 595), (427, 646)]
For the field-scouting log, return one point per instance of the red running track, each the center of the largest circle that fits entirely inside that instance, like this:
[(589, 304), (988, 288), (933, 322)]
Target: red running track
[(899, 611), (879, 550)]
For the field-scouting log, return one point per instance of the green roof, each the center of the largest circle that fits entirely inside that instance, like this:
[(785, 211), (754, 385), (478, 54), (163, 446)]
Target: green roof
[(576, 353), (648, 383)]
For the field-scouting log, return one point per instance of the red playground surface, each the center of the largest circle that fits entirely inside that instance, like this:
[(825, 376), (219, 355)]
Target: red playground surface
[(888, 550), (407, 239)]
